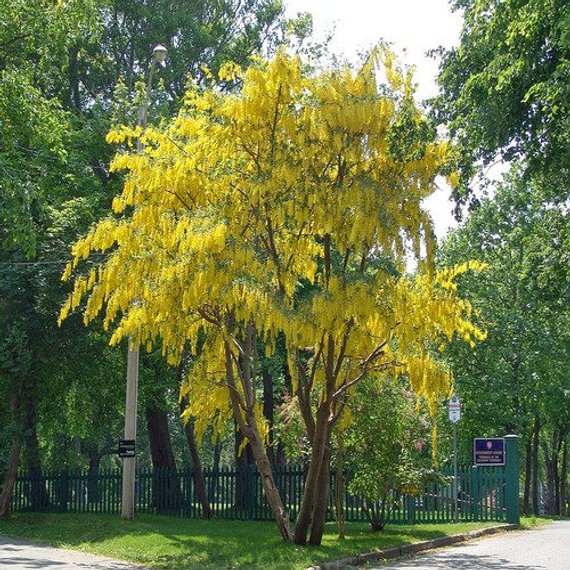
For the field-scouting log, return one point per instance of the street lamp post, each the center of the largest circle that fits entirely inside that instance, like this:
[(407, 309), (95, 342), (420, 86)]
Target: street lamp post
[(129, 462)]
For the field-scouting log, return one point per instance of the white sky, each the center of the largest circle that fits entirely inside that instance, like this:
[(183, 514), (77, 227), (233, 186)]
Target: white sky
[(415, 26)]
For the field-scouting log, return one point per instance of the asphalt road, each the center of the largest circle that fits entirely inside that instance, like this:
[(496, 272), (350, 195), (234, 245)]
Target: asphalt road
[(544, 548), (20, 555)]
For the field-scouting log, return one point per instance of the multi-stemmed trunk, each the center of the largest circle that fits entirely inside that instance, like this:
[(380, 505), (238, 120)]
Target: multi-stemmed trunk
[(241, 369), (311, 503)]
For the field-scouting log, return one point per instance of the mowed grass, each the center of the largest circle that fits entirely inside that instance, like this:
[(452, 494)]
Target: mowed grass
[(185, 544)]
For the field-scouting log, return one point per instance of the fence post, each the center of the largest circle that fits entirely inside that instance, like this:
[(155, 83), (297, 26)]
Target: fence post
[(512, 478)]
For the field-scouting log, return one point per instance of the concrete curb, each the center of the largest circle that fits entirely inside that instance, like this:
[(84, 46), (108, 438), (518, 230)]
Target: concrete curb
[(407, 549)]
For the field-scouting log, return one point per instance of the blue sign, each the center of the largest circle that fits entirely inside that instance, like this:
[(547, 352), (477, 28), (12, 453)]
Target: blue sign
[(488, 451)]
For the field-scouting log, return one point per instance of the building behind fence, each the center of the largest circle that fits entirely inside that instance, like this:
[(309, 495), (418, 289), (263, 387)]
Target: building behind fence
[(238, 494)]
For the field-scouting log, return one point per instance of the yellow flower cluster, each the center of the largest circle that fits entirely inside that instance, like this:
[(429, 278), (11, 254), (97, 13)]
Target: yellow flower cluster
[(280, 205)]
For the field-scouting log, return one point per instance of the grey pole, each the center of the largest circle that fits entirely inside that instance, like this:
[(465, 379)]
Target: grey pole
[(455, 486), (129, 463)]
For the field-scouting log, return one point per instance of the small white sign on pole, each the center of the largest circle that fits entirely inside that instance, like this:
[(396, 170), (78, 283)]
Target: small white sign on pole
[(454, 413), (454, 409)]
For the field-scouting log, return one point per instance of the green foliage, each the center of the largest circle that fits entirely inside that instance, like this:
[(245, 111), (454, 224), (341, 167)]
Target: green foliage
[(384, 440), (522, 369), (60, 63), (506, 87)]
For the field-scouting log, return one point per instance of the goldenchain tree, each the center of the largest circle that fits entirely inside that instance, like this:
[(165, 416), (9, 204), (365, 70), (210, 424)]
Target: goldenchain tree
[(268, 212)]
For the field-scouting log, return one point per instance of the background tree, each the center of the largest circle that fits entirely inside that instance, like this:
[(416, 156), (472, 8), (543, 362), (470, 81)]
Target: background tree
[(505, 89), (60, 63), (516, 381)]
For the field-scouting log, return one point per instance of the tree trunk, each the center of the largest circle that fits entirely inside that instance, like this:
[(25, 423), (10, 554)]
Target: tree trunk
[(159, 437), (244, 460), (215, 468), (165, 488), (39, 498), (74, 100), (321, 498), (556, 475), (548, 502), (268, 411), (527, 477), (304, 518), (276, 453), (198, 472), (564, 488), (93, 494), (270, 489), (535, 446), (13, 459), (243, 408), (339, 492)]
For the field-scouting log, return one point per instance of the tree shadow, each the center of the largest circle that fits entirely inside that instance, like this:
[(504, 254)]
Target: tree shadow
[(450, 560)]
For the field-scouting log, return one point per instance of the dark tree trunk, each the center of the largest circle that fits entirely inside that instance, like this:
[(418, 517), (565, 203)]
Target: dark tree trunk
[(244, 464), (199, 482), (215, 468), (93, 494), (39, 498), (14, 457), (527, 477), (564, 489), (159, 437), (550, 465), (556, 476), (166, 489), (276, 452), (74, 98), (535, 446)]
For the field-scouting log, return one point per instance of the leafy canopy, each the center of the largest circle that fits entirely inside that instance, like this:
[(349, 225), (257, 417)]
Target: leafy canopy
[(522, 369), (506, 87), (272, 207)]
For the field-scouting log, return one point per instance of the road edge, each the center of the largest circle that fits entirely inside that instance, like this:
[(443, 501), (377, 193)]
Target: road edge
[(407, 549)]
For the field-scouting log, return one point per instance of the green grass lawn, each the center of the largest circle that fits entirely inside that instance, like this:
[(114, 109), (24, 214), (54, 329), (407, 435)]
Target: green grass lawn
[(175, 543)]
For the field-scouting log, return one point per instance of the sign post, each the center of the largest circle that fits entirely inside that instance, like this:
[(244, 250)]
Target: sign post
[(454, 413)]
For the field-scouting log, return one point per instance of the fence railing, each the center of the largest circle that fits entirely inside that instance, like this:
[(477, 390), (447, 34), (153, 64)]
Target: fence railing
[(238, 494)]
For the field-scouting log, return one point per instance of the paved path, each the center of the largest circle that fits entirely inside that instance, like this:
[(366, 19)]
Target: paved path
[(21, 555), (544, 548)]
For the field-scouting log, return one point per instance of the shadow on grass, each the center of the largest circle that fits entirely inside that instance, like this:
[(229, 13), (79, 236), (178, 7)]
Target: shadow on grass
[(188, 544)]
